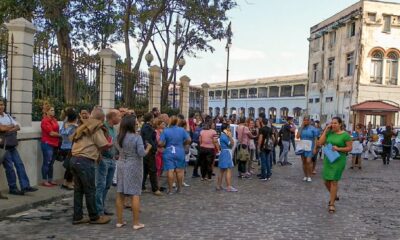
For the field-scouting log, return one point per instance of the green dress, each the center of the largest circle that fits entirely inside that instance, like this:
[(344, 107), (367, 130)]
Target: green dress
[(333, 171)]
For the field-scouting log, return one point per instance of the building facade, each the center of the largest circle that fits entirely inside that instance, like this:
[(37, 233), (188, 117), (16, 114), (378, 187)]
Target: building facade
[(353, 60), (277, 97)]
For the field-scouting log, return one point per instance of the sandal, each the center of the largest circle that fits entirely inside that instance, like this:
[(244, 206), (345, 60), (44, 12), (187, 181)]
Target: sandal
[(331, 208), (120, 225), (139, 226)]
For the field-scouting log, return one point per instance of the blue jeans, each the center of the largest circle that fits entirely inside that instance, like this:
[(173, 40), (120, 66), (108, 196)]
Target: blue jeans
[(11, 160), (104, 176), (265, 164), (48, 161)]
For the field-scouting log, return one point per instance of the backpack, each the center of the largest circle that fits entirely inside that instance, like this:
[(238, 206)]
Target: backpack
[(269, 142)]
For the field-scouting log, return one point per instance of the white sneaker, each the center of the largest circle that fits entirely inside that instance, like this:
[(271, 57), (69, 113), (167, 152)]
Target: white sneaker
[(305, 179), (309, 179), (186, 185)]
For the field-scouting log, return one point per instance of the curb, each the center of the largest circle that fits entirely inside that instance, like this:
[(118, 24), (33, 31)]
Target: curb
[(4, 213)]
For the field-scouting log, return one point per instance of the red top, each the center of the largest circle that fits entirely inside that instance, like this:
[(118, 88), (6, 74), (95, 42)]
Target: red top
[(49, 124)]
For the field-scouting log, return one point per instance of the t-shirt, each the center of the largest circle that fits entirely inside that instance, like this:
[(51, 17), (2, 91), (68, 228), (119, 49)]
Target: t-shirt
[(285, 132), (207, 138), (266, 133), (243, 134), (89, 146)]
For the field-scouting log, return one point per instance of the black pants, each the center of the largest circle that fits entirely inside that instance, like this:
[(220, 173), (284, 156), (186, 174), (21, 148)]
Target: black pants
[(65, 155), (386, 154), (149, 168), (197, 162), (83, 171), (206, 156)]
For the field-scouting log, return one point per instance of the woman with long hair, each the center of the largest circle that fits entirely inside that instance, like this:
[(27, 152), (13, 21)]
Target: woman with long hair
[(332, 171), (208, 145), (49, 143), (173, 140), (225, 163), (130, 169)]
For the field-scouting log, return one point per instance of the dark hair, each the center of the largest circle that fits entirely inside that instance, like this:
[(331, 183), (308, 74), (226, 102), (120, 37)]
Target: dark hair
[(148, 116), (261, 115), (182, 123), (224, 126), (128, 124), (265, 121), (242, 120), (340, 121), (84, 109), (181, 117), (71, 114), (155, 109), (191, 115)]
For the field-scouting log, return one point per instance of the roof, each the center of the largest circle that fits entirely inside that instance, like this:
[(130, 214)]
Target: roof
[(378, 105)]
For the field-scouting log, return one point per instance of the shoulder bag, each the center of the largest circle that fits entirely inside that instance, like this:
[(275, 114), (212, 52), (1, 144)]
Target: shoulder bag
[(243, 153)]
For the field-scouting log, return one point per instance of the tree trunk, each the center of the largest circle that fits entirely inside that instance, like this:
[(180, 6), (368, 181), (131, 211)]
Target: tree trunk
[(127, 84)]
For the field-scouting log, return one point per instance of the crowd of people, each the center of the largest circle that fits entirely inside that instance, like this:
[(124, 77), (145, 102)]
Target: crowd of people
[(97, 148)]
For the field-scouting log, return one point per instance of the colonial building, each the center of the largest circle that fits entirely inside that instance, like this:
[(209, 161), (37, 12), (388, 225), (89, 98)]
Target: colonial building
[(353, 64), (278, 97)]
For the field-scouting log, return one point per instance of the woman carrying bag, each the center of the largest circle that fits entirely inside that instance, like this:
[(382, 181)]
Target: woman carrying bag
[(341, 143)]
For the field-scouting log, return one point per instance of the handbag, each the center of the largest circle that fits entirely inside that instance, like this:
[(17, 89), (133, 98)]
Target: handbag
[(243, 153), (3, 151), (10, 139), (330, 154)]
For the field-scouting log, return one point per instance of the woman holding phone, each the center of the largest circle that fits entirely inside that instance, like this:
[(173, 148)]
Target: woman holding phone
[(332, 172)]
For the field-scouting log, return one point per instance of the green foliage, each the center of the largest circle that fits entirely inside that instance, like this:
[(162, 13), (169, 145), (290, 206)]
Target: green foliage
[(170, 111)]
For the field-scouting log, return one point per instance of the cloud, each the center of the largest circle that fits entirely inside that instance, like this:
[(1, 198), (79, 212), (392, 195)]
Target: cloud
[(246, 54)]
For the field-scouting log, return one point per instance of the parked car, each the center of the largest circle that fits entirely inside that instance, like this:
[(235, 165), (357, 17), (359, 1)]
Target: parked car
[(396, 147)]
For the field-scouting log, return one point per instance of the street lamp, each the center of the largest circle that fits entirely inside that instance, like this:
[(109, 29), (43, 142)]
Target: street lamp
[(181, 63), (227, 48), (149, 58)]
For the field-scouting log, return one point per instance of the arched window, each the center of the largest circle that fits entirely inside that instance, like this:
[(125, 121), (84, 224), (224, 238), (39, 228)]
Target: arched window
[(272, 114), (251, 112), (261, 110), (211, 95), (210, 111), (242, 112), (296, 114), (233, 109), (217, 111), (376, 67), (392, 66), (284, 113)]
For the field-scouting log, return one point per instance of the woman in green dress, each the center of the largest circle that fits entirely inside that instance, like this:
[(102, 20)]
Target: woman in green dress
[(332, 172)]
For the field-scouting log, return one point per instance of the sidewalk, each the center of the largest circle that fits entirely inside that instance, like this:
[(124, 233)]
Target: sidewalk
[(43, 196)]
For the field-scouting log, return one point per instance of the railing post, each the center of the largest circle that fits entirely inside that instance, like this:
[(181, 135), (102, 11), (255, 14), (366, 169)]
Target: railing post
[(184, 96), (155, 87), (20, 70), (108, 60), (205, 88)]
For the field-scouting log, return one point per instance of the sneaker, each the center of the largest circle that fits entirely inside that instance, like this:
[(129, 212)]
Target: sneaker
[(263, 179), (309, 179), (174, 185), (195, 176), (304, 179), (30, 189), (101, 220), (269, 179), (157, 193), (288, 163), (16, 192), (82, 221), (231, 189), (185, 184)]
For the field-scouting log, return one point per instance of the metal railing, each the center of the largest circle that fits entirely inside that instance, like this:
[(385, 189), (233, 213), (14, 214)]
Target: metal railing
[(4, 54)]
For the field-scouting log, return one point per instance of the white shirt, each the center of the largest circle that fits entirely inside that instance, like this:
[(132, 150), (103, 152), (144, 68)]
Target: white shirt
[(6, 119)]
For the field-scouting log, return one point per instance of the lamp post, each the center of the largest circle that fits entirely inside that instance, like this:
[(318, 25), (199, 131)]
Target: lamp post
[(149, 58), (181, 64), (227, 48)]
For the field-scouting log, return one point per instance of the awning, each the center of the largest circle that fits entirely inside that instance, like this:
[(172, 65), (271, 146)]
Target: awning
[(375, 106)]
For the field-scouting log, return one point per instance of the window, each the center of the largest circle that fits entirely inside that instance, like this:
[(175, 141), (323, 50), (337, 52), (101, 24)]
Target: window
[(218, 94), (272, 114), (329, 99), (372, 17), (273, 91), (217, 111), (317, 100), (296, 112), (261, 110), (398, 19), (386, 23), (210, 111), (376, 67), (286, 91), (211, 94), (316, 44), (252, 112), (234, 93), (350, 64), (392, 64), (310, 100), (233, 109), (253, 93), (299, 90), (332, 38), (315, 73), (262, 92), (351, 29), (243, 93), (331, 68), (242, 112), (284, 112)]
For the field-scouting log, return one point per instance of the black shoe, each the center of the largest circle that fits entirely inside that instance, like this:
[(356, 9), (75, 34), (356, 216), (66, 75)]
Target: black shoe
[(108, 213), (30, 189), (16, 192), (195, 176), (288, 163)]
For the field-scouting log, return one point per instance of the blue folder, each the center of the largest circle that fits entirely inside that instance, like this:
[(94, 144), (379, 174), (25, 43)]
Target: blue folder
[(330, 153)]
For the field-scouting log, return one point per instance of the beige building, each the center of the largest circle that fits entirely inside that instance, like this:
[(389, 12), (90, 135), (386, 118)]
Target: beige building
[(353, 64)]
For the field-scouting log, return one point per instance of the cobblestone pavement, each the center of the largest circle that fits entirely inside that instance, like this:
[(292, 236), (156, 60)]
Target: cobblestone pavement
[(284, 208)]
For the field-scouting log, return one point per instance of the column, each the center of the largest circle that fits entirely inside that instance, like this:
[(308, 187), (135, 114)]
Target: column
[(155, 87), (107, 79), (184, 96), (20, 74), (205, 88)]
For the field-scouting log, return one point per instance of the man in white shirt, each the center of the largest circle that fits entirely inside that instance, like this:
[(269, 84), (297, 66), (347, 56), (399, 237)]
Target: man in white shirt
[(12, 158)]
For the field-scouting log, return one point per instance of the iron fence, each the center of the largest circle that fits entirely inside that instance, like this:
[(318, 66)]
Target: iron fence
[(195, 100), (4, 53), (140, 90), (64, 78)]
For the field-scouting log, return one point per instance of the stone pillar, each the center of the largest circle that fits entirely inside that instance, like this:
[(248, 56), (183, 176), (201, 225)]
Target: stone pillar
[(107, 79), (155, 87), (205, 88), (184, 96), (20, 74)]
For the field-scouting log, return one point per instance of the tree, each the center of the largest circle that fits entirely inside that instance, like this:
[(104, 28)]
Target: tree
[(187, 27)]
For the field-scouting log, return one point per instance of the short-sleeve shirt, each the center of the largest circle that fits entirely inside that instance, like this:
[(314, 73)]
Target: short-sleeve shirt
[(309, 133), (207, 138), (243, 135), (174, 136), (6, 119), (266, 133), (89, 146)]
